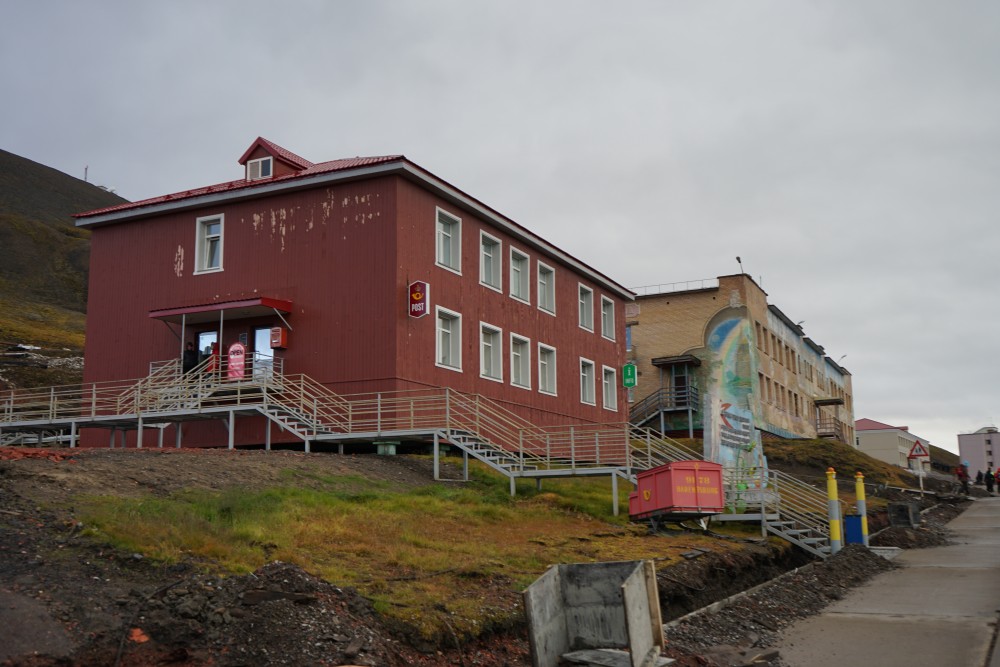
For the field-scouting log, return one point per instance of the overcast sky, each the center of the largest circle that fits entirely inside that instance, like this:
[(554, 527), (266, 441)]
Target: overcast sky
[(848, 152)]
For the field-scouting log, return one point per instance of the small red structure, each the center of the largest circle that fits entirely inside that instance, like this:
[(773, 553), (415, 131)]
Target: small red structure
[(677, 491)]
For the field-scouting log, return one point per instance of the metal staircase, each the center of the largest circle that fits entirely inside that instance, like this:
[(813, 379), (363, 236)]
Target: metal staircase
[(785, 506)]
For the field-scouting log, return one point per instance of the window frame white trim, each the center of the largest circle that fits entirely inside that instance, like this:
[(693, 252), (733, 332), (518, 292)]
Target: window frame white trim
[(593, 381), (538, 279), (526, 276), (456, 223), (200, 226), (614, 388), (497, 258), (606, 299), (526, 365), (581, 288), (437, 338), (497, 354), (555, 368), (260, 161)]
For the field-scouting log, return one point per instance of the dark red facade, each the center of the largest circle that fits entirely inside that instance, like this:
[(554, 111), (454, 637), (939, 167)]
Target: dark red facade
[(342, 248)]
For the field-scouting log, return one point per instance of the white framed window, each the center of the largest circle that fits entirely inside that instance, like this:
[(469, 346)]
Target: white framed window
[(490, 261), (546, 288), (587, 382), (208, 243), (449, 241), (546, 369), (607, 318), (260, 168), (520, 276), (490, 352), (448, 347), (586, 308), (520, 361), (609, 387)]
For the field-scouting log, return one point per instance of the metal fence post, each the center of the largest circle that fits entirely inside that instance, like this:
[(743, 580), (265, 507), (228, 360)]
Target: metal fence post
[(572, 447)]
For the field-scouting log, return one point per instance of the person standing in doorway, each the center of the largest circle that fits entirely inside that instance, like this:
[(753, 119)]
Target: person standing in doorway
[(190, 358)]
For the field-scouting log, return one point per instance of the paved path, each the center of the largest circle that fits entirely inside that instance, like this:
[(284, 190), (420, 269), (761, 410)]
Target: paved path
[(940, 609)]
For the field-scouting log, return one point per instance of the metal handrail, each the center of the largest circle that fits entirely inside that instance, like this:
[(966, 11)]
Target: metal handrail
[(321, 410), (661, 399)]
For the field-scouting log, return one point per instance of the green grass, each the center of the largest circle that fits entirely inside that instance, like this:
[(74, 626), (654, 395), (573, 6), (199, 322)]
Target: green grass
[(428, 557)]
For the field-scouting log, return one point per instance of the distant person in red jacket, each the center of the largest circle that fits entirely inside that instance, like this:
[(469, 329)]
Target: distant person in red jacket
[(962, 474)]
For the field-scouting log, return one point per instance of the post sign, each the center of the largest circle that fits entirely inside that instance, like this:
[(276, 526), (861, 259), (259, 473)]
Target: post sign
[(918, 451), (628, 375), (237, 361), (420, 298)]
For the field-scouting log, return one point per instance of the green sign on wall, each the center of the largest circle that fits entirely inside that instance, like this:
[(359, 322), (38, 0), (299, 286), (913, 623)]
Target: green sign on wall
[(628, 375)]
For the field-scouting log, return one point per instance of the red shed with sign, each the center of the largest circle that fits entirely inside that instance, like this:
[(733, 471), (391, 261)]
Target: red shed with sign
[(679, 490)]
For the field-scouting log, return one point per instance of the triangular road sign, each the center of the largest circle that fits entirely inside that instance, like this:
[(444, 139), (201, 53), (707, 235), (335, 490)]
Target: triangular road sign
[(918, 450)]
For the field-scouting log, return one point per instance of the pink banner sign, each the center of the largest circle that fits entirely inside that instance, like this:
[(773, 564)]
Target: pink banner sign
[(237, 361)]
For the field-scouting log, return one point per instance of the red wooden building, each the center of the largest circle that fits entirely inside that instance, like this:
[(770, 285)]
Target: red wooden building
[(321, 257)]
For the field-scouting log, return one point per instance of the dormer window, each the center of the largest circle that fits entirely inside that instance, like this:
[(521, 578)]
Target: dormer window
[(258, 169)]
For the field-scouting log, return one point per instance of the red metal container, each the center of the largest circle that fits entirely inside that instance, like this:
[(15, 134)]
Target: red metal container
[(688, 488)]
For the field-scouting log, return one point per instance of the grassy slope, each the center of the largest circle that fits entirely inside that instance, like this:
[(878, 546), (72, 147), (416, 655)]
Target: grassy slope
[(437, 559), (43, 275)]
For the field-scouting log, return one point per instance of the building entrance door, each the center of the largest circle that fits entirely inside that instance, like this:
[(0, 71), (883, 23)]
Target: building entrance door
[(263, 354)]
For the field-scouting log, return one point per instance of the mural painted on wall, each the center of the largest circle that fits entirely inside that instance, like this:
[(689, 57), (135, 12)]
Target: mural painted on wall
[(731, 438)]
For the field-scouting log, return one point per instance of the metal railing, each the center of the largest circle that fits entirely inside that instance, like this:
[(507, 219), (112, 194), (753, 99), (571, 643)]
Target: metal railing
[(312, 409), (664, 399), (666, 288), (776, 493)]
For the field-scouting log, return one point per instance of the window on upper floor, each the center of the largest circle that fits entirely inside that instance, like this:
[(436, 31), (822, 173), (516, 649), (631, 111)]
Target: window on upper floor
[(449, 242), (586, 308), (520, 276), (490, 261), (609, 384), (490, 352), (208, 244), (587, 382), (260, 168), (520, 361), (546, 369), (607, 318), (628, 337), (547, 288), (449, 339)]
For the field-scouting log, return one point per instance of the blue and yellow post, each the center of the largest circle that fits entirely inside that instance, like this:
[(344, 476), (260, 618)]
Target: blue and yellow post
[(833, 509), (859, 491)]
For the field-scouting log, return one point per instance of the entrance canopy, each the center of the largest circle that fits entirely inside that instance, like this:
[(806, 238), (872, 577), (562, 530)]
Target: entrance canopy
[(233, 310)]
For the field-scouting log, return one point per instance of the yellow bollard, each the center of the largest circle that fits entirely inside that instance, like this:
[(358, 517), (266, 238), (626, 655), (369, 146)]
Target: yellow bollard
[(859, 491), (833, 509)]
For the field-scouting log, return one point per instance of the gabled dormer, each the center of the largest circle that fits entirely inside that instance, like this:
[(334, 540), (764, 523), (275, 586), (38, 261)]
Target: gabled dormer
[(265, 159)]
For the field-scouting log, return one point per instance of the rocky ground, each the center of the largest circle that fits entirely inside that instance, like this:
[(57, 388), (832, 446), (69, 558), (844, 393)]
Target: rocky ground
[(65, 600)]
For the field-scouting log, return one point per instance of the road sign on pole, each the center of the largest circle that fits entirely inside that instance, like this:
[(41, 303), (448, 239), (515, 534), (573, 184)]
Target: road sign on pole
[(918, 451)]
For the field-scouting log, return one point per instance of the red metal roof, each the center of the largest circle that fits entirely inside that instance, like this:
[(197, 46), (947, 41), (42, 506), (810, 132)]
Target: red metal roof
[(205, 312), (872, 425), (243, 184)]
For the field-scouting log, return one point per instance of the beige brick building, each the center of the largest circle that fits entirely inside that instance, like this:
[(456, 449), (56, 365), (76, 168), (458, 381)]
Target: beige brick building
[(721, 338)]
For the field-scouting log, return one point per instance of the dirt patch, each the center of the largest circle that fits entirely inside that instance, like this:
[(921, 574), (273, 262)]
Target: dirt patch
[(78, 602)]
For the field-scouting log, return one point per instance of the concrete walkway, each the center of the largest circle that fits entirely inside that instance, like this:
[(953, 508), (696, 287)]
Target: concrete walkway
[(940, 609)]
